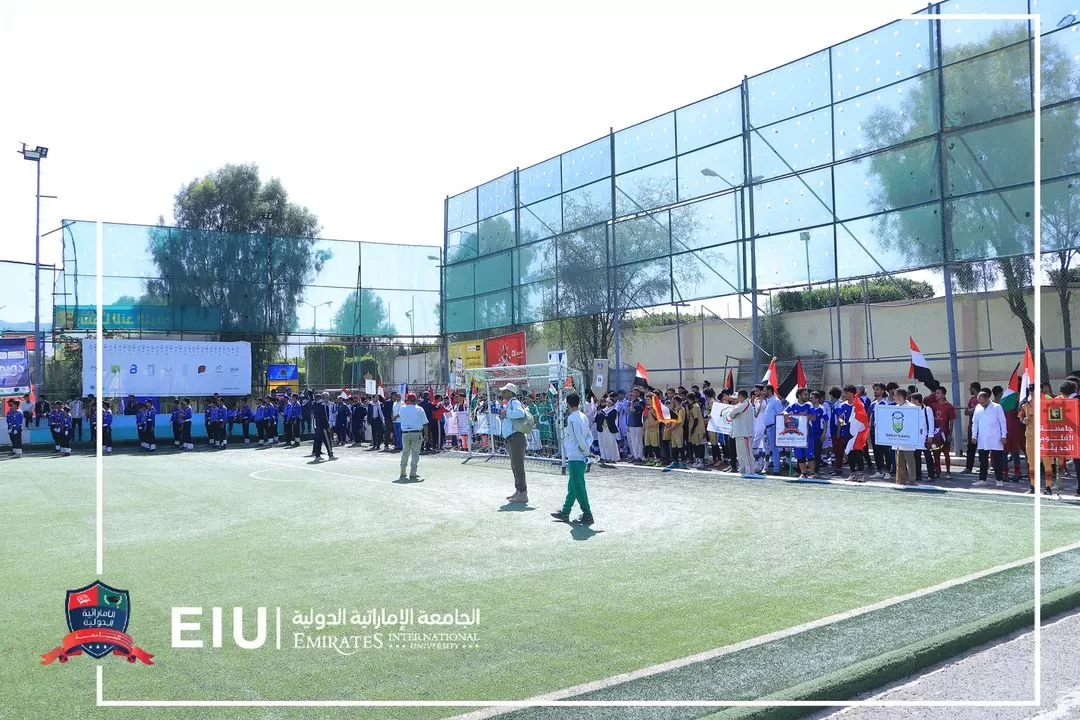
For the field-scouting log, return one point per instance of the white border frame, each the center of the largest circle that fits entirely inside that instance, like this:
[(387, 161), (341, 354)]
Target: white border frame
[(1036, 702)]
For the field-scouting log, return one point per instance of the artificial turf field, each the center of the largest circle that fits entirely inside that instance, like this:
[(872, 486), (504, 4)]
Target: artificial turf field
[(677, 564)]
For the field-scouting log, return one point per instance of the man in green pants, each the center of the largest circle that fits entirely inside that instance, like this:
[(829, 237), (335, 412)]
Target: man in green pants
[(577, 444)]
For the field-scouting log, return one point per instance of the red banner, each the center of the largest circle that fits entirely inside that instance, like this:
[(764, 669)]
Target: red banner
[(505, 350), (70, 645), (1060, 431)]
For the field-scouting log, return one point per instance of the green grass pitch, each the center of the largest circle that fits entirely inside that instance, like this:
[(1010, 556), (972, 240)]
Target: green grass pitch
[(676, 564)]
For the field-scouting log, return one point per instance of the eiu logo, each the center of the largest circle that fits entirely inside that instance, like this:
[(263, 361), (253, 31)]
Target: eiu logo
[(97, 618)]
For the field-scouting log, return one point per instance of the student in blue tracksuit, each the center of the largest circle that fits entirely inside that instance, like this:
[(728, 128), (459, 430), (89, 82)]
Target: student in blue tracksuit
[(297, 418), (176, 420), (150, 418), (272, 421), (222, 425), (140, 426), (245, 416), (106, 427), (185, 426), (260, 420), (286, 415), (341, 421), (55, 420), (65, 425), (15, 421)]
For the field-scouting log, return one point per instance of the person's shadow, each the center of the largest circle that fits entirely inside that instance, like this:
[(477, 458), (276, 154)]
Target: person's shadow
[(408, 481), (516, 507), (583, 532)]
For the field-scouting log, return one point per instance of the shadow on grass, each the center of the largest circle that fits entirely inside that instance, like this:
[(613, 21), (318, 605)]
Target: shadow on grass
[(515, 507)]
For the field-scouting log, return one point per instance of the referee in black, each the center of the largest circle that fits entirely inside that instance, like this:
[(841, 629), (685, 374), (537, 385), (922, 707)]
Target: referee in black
[(320, 416)]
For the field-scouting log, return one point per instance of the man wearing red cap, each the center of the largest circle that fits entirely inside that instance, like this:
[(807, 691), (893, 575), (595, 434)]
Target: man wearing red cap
[(413, 420)]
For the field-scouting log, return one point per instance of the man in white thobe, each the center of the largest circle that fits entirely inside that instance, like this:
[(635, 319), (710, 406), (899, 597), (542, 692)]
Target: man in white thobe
[(988, 430)]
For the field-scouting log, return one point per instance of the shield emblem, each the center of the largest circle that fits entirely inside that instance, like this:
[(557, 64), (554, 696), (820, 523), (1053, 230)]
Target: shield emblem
[(98, 606)]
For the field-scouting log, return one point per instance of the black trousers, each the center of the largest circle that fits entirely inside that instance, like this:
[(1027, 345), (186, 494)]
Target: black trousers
[(288, 431), (376, 433), (185, 433), (970, 464), (322, 439), (106, 436), (16, 441), (997, 459), (244, 429), (176, 432), (295, 422)]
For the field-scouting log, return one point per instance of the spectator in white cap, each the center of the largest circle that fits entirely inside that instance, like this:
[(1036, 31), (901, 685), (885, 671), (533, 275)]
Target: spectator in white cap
[(514, 421)]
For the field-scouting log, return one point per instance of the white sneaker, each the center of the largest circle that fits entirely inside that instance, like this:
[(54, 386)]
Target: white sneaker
[(1000, 484), (979, 483)]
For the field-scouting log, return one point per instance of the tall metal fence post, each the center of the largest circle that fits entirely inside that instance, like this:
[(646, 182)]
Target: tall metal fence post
[(612, 276), (755, 330)]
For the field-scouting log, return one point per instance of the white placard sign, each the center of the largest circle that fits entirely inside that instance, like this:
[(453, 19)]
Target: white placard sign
[(791, 431), (369, 386), (556, 361), (168, 367), (720, 418), (895, 425)]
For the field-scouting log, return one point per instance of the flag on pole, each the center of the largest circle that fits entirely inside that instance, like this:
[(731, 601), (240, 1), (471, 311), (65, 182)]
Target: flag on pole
[(380, 392), (1027, 377), (641, 376), (661, 411), (552, 392), (771, 378), (795, 379), (1010, 399), (919, 370), (569, 382), (730, 382)]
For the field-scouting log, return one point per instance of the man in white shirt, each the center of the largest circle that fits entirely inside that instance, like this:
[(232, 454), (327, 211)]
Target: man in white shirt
[(412, 419), (988, 430), (905, 454), (577, 445), (742, 429)]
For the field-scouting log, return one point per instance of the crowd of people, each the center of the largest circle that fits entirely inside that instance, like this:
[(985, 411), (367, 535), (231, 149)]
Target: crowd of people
[(680, 428), (676, 428)]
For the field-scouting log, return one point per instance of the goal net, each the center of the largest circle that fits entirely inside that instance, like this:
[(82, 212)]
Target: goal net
[(542, 389)]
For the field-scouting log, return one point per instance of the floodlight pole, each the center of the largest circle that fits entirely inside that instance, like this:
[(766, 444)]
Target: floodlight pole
[(37, 155)]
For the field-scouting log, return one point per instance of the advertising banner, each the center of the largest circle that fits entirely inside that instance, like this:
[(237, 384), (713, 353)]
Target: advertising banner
[(898, 426), (791, 431), (466, 355), (14, 367), (1060, 427), (281, 373), (168, 367), (505, 350), (137, 317)]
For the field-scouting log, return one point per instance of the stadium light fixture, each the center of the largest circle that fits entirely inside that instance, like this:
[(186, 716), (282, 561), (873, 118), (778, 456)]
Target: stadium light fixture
[(36, 155)]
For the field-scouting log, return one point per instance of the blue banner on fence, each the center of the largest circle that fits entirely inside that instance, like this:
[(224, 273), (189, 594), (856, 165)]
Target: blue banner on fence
[(14, 367), (282, 372)]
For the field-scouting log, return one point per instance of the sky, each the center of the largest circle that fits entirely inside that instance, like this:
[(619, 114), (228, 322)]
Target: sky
[(370, 119)]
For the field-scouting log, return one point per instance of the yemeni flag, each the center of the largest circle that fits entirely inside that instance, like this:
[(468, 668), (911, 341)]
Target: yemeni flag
[(729, 384), (1010, 399), (661, 411), (771, 378), (919, 370), (860, 424), (795, 379), (641, 376), (1027, 376)]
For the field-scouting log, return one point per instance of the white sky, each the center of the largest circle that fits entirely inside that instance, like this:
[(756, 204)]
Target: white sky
[(369, 119)]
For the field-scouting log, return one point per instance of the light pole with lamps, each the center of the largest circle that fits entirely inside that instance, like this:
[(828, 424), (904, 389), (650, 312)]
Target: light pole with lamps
[(314, 327), (36, 155)]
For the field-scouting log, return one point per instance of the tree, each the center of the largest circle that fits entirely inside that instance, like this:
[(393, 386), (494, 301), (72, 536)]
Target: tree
[(241, 247), (589, 294), (1063, 278), (363, 313), (875, 290), (992, 226)]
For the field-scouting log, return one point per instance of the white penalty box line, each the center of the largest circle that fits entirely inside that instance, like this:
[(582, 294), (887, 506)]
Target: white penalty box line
[(1036, 40)]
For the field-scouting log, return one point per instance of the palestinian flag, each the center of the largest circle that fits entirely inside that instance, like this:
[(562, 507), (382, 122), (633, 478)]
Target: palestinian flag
[(771, 378), (1027, 376), (661, 411), (1010, 399), (795, 379), (919, 370), (552, 392), (641, 376), (730, 382)]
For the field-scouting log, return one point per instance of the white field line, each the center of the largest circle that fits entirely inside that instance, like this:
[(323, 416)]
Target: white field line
[(753, 642)]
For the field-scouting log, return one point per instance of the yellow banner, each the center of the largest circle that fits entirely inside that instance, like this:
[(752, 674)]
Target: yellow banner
[(467, 355)]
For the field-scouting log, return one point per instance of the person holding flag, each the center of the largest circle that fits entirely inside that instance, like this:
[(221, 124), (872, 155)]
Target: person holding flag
[(859, 429), (1014, 437)]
